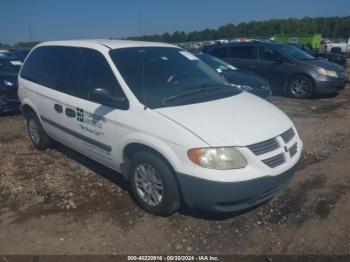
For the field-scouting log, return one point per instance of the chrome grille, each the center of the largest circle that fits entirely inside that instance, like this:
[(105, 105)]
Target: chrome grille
[(293, 150), (288, 135), (275, 160), (269, 146), (264, 147)]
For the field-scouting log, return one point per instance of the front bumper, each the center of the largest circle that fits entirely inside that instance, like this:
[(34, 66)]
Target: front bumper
[(8, 105), (231, 196), (330, 85)]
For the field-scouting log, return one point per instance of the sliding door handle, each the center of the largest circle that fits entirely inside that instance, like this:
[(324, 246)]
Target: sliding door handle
[(70, 112)]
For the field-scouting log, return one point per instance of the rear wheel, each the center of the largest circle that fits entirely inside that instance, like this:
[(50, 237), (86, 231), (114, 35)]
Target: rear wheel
[(153, 184), (300, 87), (36, 132)]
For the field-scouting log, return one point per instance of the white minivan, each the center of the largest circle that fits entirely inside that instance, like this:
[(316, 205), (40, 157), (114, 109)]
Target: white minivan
[(172, 126)]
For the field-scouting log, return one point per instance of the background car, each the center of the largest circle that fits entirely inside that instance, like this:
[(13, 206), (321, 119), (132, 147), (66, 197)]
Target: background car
[(287, 68), (246, 81), (9, 69), (331, 57)]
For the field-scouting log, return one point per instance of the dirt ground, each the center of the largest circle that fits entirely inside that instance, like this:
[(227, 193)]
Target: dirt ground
[(59, 202)]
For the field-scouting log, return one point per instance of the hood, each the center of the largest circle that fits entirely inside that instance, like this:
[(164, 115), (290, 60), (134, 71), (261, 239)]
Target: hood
[(239, 78), (238, 120), (324, 64)]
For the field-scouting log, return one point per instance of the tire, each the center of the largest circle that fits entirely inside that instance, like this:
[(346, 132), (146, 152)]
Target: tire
[(160, 183), (300, 87), (37, 133)]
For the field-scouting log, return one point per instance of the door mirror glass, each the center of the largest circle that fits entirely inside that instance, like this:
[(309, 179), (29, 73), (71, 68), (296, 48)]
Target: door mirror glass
[(103, 96)]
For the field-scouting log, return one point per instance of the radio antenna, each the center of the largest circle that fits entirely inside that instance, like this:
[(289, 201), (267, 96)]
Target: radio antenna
[(142, 61)]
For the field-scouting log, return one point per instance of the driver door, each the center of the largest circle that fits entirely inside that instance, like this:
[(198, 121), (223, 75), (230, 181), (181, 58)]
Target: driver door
[(92, 126), (272, 67)]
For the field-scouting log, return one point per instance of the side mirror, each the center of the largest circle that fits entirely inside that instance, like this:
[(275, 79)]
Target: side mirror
[(279, 59), (104, 97)]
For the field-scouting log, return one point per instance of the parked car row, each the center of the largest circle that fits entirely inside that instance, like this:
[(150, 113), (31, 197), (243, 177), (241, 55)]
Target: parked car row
[(254, 66), (288, 69)]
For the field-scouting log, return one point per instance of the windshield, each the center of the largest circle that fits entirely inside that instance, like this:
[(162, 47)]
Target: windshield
[(295, 52), (215, 63), (166, 76)]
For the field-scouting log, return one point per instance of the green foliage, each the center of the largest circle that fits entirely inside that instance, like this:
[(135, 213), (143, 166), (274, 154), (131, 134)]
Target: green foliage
[(329, 27)]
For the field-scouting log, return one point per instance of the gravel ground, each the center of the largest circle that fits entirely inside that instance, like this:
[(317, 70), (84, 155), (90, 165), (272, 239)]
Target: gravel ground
[(59, 202)]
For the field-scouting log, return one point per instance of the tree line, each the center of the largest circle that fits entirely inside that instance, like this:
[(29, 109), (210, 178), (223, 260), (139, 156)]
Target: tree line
[(330, 27)]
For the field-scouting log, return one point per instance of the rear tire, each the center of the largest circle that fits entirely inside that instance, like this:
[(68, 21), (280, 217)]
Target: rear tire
[(300, 87), (37, 133), (153, 184)]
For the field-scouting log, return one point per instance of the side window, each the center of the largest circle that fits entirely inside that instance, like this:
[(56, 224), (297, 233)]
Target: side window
[(243, 52), (93, 71), (50, 66), (220, 52), (267, 54)]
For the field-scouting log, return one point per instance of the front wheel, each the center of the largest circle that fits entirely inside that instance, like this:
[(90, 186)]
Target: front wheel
[(37, 133), (300, 87), (153, 184)]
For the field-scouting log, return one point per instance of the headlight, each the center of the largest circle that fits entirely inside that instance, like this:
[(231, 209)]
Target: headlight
[(326, 72), (221, 158), (243, 87), (8, 83)]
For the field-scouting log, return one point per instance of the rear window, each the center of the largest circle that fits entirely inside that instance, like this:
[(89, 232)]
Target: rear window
[(243, 52), (50, 66)]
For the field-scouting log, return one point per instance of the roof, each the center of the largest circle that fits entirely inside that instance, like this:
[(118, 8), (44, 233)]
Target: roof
[(111, 44)]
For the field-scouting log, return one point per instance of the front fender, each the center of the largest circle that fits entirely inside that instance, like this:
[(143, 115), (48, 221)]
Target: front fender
[(178, 160)]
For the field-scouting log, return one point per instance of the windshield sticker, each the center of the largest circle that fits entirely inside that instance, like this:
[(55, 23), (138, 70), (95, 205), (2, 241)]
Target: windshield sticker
[(188, 55), (91, 121)]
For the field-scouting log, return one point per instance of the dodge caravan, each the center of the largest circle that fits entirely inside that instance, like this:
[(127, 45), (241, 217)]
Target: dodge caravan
[(166, 121)]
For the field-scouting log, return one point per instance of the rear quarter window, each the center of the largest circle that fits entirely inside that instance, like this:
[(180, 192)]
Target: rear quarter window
[(50, 66)]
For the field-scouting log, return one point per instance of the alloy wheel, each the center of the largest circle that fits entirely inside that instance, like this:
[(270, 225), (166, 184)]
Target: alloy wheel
[(149, 186)]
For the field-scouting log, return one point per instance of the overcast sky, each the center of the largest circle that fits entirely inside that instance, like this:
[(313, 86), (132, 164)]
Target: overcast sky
[(68, 19)]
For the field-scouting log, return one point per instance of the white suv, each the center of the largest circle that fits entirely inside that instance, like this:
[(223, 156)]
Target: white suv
[(163, 119)]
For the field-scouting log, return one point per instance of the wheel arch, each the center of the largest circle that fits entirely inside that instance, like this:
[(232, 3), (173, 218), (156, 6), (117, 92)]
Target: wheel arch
[(303, 74), (27, 107), (147, 144)]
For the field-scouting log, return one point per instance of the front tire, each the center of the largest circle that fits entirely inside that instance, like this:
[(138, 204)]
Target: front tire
[(37, 133), (153, 184), (300, 87)]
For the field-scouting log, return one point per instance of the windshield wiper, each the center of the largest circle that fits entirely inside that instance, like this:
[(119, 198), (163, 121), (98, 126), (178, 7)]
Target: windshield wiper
[(166, 100)]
